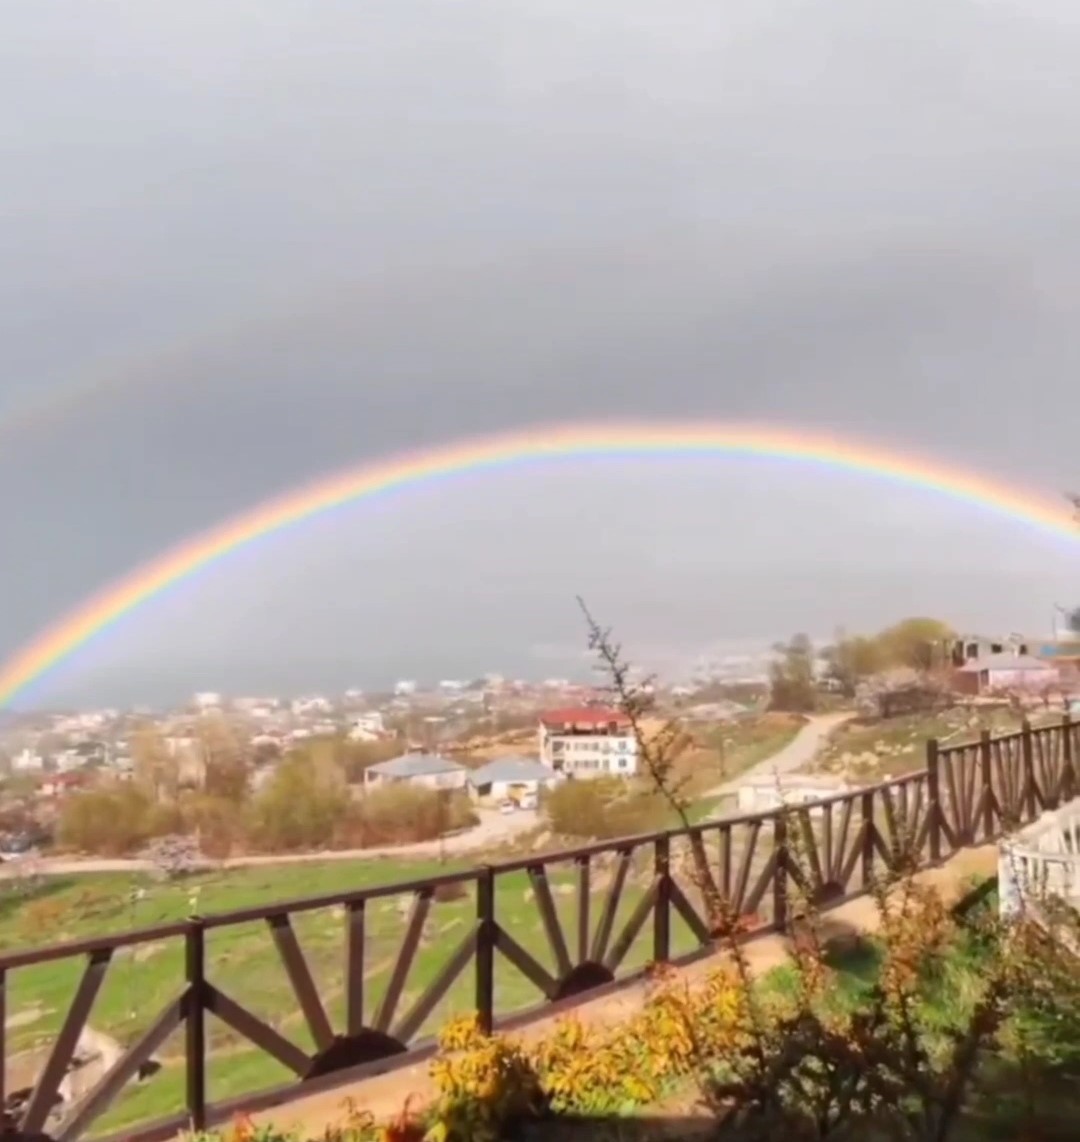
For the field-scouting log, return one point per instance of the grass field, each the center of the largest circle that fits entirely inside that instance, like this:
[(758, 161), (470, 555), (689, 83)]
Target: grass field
[(243, 962), (720, 753), (898, 745)]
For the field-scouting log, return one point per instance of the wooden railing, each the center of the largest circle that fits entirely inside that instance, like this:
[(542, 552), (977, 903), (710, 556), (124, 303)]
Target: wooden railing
[(508, 942)]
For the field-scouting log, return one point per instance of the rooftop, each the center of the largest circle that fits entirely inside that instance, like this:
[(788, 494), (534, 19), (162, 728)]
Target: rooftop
[(415, 765), (509, 769), (583, 716)]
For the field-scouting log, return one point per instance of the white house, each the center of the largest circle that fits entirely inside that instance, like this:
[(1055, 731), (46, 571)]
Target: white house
[(28, 761), (368, 727), (509, 778), (426, 769), (588, 741)]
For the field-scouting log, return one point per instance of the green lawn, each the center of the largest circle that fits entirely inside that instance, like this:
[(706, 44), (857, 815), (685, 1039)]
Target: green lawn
[(243, 962)]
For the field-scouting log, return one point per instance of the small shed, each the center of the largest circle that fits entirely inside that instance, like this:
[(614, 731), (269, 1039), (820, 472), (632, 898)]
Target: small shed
[(509, 777), (427, 769)]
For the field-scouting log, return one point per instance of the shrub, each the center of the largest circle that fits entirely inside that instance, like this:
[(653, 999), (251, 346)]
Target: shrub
[(111, 820), (220, 828), (296, 810), (406, 814), (602, 807)]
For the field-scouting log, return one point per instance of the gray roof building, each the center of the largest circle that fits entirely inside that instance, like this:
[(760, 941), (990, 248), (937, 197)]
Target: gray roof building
[(508, 770), (414, 765)]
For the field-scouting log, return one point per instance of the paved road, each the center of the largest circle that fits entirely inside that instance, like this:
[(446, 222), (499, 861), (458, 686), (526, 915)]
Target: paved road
[(799, 752), (494, 827)]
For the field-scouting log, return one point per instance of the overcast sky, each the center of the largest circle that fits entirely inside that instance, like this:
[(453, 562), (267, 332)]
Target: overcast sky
[(244, 244)]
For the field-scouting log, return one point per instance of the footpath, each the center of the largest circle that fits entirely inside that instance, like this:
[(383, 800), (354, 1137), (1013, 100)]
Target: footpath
[(384, 1095)]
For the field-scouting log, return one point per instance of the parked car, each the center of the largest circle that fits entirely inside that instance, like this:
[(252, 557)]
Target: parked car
[(507, 806)]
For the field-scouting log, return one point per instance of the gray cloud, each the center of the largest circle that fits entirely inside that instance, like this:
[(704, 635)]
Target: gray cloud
[(245, 246)]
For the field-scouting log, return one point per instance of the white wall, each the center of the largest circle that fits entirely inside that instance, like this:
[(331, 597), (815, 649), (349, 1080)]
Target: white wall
[(591, 755), (1021, 679)]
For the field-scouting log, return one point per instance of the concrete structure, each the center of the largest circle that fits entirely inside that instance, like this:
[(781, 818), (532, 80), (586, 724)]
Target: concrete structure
[(424, 769), (1041, 861), (588, 741), (768, 791), (509, 778), (1005, 672)]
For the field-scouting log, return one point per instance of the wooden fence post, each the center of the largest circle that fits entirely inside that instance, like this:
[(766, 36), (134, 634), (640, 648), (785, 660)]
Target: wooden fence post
[(869, 827), (933, 800), (780, 873), (986, 779), (662, 908), (1027, 762), (485, 949), (195, 1022), (1068, 780)]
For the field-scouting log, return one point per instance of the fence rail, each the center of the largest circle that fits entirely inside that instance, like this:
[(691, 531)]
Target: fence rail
[(593, 917)]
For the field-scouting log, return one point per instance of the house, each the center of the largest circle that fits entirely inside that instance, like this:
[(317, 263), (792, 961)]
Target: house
[(58, 784), (508, 778), (367, 727), (28, 761), (424, 769), (972, 647), (588, 741), (997, 672)]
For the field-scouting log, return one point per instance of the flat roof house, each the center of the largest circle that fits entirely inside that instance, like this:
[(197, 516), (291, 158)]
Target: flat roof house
[(427, 769), (505, 776)]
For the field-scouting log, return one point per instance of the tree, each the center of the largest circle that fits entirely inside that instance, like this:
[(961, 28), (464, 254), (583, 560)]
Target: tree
[(912, 642), (792, 685), (156, 770), (636, 700), (296, 810), (226, 759), (850, 661)]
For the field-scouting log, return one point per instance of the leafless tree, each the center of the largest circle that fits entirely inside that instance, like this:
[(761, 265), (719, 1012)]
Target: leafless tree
[(636, 700)]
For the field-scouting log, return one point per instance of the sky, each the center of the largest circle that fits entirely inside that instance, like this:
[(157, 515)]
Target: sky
[(248, 244)]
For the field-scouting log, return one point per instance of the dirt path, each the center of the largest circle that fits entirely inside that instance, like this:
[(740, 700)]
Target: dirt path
[(799, 752), (384, 1095)]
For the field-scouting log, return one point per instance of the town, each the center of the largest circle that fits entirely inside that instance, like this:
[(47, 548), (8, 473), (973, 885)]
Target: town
[(499, 743)]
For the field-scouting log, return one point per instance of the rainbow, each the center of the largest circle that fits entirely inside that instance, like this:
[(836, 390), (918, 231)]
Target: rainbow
[(93, 617)]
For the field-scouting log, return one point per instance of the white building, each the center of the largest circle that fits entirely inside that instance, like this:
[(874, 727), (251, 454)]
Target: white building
[(368, 727), (404, 688), (207, 700), (315, 704), (588, 741), (425, 769), (28, 761)]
